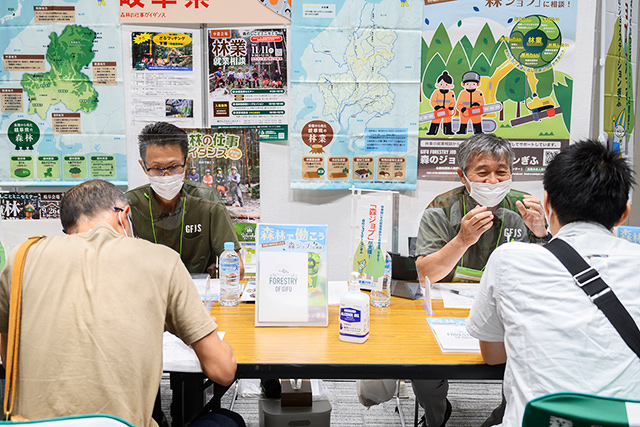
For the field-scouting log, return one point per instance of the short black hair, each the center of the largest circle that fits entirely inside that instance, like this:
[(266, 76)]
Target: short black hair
[(162, 133), (586, 181), (89, 199)]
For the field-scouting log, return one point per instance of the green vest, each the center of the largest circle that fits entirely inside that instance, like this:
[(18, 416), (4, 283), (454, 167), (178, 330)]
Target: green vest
[(440, 223), (197, 228)]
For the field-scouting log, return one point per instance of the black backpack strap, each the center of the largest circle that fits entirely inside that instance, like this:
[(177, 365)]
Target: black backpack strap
[(589, 280)]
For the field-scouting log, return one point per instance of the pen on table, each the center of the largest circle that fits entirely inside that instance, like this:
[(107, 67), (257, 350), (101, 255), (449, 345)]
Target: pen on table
[(462, 294)]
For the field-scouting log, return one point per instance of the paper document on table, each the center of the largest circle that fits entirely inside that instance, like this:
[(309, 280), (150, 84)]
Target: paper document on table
[(208, 288), (336, 290), (435, 291), (452, 336), (458, 295), (179, 357)]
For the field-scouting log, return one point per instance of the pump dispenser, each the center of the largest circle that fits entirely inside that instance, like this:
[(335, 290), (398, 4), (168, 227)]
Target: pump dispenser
[(354, 312)]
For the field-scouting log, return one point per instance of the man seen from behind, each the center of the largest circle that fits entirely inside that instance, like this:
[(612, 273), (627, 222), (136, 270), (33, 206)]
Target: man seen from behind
[(531, 314), (95, 304)]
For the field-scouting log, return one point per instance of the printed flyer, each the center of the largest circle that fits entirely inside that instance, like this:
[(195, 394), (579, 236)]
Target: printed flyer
[(354, 83), (292, 275), (30, 206), (163, 75), (248, 80), (61, 93), (496, 67), (228, 161)]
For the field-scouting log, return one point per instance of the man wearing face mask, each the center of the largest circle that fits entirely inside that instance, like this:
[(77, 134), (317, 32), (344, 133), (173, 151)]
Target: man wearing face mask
[(183, 215), (461, 228)]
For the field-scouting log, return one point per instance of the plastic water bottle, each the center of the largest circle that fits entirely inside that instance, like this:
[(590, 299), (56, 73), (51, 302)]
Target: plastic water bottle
[(382, 298), (229, 276), (354, 313)]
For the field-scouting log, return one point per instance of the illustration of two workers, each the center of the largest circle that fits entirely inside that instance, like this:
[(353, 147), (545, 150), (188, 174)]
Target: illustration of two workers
[(469, 104)]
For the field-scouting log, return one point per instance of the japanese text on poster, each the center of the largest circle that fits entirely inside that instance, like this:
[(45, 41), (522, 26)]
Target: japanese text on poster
[(500, 67), (352, 86), (248, 79), (61, 94)]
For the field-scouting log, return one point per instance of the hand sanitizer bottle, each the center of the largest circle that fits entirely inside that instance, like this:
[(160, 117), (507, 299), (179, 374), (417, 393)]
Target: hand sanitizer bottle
[(354, 312)]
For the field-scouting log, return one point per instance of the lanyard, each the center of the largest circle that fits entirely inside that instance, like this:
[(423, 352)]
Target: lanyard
[(153, 228), (464, 210)]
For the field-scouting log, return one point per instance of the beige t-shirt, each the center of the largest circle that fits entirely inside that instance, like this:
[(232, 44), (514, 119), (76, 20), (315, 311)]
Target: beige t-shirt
[(94, 308)]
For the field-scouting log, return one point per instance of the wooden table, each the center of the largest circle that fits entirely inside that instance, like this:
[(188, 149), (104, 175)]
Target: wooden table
[(400, 346)]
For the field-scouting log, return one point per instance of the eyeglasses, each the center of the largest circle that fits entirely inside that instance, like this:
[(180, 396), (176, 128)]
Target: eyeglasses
[(172, 170)]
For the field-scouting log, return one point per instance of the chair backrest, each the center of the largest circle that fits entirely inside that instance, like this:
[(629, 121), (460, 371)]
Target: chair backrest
[(580, 410), (91, 420)]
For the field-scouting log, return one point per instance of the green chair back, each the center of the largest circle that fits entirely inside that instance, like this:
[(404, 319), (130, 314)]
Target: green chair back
[(581, 410)]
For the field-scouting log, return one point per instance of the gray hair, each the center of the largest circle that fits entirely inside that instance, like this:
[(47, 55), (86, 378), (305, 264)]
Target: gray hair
[(487, 144), (89, 199)]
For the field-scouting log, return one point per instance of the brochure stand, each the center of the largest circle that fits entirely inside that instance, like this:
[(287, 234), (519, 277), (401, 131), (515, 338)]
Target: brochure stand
[(292, 275)]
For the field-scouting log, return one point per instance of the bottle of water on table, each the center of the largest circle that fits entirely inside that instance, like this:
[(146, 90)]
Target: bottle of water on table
[(382, 297), (229, 276)]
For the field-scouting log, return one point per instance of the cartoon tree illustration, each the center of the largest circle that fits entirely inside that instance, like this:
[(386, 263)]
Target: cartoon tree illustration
[(481, 65), (440, 44), (513, 87), (485, 43), (423, 56), (544, 87), (457, 65), (431, 74), (563, 95), (467, 46), (498, 57)]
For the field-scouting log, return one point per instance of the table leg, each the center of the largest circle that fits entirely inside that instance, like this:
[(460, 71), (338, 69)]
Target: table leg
[(187, 396)]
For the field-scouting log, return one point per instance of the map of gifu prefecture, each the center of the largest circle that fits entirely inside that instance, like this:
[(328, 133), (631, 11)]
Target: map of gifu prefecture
[(367, 54), (355, 68), (67, 54)]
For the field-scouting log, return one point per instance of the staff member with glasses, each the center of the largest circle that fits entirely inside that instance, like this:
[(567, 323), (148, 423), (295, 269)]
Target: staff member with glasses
[(184, 215)]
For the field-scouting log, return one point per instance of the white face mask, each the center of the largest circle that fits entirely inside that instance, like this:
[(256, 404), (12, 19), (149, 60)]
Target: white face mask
[(166, 186), (130, 226), (488, 195)]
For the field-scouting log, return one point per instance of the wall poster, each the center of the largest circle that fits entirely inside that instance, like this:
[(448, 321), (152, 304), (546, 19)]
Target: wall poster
[(620, 26), (228, 160), (247, 71), (61, 93), (354, 83), (496, 67)]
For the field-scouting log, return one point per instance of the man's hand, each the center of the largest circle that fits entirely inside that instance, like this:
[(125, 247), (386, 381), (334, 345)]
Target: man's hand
[(474, 224), (532, 214)]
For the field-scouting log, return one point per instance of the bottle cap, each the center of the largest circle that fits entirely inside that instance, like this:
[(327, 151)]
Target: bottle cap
[(229, 246)]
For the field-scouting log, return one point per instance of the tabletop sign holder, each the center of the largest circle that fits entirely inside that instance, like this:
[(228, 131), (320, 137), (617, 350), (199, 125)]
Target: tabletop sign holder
[(291, 285), (374, 229)]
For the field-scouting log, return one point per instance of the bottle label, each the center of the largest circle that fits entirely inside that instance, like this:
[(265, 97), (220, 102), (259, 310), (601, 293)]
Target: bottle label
[(350, 315), (354, 322), (229, 269)]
